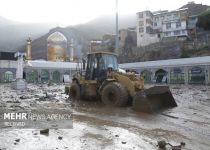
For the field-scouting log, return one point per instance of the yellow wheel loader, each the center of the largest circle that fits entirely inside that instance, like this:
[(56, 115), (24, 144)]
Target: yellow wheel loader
[(100, 78)]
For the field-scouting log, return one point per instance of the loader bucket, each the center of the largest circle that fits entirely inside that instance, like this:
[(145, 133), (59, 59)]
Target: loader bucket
[(153, 99)]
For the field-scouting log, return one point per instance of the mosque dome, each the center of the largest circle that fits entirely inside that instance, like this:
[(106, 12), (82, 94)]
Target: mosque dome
[(57, 37), (56, 47)]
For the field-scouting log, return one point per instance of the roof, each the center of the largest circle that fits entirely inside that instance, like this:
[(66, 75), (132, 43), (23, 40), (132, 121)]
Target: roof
[(57, 37), (149, 64), (144, 11), (171, 11), (169, 63), (7, 56), (100, 52), (50, 65)]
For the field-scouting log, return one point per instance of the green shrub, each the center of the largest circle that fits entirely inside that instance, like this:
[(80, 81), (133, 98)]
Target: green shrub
[(204, 20), (184, 54)]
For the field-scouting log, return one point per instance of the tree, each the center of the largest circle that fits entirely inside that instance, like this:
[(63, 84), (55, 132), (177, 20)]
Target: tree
[(204, 20), (184, 54)]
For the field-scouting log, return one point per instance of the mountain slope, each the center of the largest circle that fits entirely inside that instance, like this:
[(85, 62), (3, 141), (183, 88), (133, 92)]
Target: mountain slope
[(14, 34), (82, 35), (7, 22), (195, 9), (108, 22)]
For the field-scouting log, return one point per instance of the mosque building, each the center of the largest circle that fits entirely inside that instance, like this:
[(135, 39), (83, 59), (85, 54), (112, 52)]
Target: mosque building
[(40, 71), (176, 71)]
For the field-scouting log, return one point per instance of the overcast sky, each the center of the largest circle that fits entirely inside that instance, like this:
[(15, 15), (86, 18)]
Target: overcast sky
[(72, 12)]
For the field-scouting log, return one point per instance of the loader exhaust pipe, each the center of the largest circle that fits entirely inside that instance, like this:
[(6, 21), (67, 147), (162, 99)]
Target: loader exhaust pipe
[(83, 62)]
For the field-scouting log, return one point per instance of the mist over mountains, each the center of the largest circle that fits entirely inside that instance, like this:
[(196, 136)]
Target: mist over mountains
[(13, 34), (81, 34), (7, 22)]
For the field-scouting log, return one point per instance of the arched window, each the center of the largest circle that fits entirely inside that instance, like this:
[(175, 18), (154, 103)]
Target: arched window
[(196, 75), (160, 76), (56, 76), (147, 76), (33, 77), (177, 76), (8, 76), (45, 76)]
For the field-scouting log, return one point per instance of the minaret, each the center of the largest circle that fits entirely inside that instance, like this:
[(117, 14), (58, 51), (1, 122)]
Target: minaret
[(71, 51), (28, 49)]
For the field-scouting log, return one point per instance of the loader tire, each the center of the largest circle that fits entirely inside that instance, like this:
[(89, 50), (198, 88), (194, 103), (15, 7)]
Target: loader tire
[(74, 92), (114, 94)]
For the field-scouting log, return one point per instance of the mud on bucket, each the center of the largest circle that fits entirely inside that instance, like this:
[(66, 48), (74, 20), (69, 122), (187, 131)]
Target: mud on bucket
[(153, 99)]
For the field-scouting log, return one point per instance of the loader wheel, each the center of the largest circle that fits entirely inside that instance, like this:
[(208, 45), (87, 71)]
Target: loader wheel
[(114, 94), (74, 92)]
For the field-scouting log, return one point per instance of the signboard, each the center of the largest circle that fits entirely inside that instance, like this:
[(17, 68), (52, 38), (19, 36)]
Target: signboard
[(177, 71), (196, 71)]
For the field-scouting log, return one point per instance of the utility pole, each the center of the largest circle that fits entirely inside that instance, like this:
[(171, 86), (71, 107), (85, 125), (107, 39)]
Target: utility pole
[(116, 37)]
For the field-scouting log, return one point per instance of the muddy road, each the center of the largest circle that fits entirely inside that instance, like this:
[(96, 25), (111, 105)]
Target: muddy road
[(96, 126)]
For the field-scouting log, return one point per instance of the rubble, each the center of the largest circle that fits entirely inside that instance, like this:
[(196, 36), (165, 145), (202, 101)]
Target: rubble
[(50, 95), (45, 131), (25, 97), (117, 127)]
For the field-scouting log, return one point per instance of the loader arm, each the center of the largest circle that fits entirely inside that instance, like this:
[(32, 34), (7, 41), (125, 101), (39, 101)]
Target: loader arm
[(129, 80)]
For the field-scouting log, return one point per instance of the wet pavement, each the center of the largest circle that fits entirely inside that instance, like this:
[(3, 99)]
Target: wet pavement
[(96, 126)]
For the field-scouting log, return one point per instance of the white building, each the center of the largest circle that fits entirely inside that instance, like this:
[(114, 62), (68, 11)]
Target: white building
[(157, 26), (177, 71)]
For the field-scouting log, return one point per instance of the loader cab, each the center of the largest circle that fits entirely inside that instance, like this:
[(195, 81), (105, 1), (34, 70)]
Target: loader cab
[(97, 65)]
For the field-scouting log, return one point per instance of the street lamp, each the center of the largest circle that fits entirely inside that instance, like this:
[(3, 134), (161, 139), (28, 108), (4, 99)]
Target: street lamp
[(116, 38)]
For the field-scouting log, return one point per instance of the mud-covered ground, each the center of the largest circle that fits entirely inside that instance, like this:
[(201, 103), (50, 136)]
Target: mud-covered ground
[(98, 127)]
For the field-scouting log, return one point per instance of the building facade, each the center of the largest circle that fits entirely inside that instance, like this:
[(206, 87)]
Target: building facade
[(36, 71), (40, 71), (96, 45), (154, 27), (176, 71), (191, 27), (123, 33), (108, 42)]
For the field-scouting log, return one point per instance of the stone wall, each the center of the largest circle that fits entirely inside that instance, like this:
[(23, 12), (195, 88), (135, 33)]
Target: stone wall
[(156, 51), (192, 45), (196, 46)]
